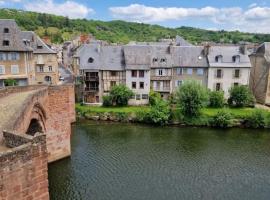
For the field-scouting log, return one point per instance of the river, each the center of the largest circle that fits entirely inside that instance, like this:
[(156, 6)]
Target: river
[(137, 162)]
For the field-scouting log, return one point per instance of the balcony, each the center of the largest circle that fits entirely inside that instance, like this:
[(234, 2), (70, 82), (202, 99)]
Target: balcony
[(91, 78), (161, 89), (91, 89), (161, 78)]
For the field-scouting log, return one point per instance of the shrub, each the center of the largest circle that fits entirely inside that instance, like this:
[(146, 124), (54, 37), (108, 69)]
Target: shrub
[(222, 119), (240, 96), (267, 121), (141, 116), (255, 120), (107, 100), (159, 113), (10, 82), (154, 97), (191, 97), (120, 95), (216, 99)]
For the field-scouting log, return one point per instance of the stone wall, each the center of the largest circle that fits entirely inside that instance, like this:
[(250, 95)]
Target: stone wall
[(23, 169), (60, 115)]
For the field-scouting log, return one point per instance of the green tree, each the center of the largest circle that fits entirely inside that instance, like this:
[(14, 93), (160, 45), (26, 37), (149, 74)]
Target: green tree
[(216, 99), (240, 96), (120, 95), (191, 97), (154, 97)]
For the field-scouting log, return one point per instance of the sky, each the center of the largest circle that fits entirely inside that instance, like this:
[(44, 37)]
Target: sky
[(242, 15)]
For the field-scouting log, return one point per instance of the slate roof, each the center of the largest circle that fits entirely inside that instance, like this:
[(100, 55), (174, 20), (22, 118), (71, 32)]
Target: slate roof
[(264, 50), (227, 53), (38, 46), (15, 42)]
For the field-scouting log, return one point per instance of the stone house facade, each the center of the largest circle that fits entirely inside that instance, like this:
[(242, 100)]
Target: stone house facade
[(259, 75), (228, 66), (21, 52)]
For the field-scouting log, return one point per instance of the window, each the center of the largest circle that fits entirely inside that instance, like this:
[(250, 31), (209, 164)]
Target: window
[(141, 85), (39, 47), (6, 30), (160, 72), (163, 60), (218, 58), (189, 71), (218, 86), (133, 85), (237, 73), (179, 83), (145, 96), (48, 79), (179, 71), (113, 83), (113, 73), (2, 69), (200, 72), (134, 73), (90, 60), (3, 56), (138, 97), (40, 69), (155, 59), (13, 56), (141, 73), (236, 59), (218, 73), (235, 84), (50, 68), (6, 43), (14, 69)]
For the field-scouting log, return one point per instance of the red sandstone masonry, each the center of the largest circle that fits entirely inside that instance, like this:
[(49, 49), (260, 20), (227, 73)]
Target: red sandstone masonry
[(23, 169)]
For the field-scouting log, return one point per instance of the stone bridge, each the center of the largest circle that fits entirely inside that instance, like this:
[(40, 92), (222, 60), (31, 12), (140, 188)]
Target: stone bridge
[(35, 128)]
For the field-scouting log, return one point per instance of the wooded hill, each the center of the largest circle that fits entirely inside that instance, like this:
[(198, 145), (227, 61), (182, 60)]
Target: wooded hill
[(60, 29)]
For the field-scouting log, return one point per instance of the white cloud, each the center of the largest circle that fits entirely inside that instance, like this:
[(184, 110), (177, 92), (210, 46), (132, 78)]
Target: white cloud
[(253, 19), (69, 8)]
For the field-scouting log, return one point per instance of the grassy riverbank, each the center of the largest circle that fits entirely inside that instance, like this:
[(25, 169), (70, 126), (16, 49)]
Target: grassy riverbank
[(132, 114)]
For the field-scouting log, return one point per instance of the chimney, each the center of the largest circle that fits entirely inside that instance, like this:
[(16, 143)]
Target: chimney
[(243, 48)]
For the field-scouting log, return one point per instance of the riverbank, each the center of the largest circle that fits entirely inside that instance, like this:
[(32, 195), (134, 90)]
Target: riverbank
[(238, 116)]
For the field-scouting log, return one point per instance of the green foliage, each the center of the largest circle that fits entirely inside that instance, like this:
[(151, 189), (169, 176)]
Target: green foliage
[(222, 119), (107, 100), (120, 94), (154, 97), (255, 120), (159, 113), (10, 82), (191, 97), (120, 31), (240, 96), (216, 99)]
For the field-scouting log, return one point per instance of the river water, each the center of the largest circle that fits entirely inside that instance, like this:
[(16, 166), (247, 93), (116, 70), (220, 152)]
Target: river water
[(136, 162)]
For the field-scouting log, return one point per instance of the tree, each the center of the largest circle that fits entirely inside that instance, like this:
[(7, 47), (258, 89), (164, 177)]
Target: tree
[(120, 95), (216, 99), (191, 97), (154, 97), (240, 96)]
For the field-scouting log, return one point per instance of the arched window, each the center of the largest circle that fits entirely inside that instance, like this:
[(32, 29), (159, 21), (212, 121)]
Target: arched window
[(34, 127), (155, 59), (48, 79), (91, 60), (218, 58)]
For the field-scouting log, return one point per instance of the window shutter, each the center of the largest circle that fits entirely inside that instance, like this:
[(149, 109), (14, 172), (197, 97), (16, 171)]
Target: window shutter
[(17, 56), (215, 73), (222, 73), (9, 56)]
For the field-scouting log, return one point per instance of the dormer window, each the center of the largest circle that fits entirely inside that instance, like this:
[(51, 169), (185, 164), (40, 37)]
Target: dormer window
[(163, 60), (90, 60), (6, 30), (236, 59), (6, 43), (39, 47), (155, 59), (218, 58)]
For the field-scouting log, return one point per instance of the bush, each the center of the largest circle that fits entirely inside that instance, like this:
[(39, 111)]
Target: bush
[(107, 100), (216, 99), (191, 97), (255, 120), (120, 95), (240, 96), (159, 113), (154, 97), (222, 119), (267, 121), (10, 82)]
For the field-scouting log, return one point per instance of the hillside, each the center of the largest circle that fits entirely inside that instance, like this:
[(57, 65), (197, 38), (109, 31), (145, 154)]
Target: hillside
[(60, 29)]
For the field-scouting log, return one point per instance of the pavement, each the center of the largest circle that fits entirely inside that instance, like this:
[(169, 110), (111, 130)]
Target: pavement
[(66, 74)]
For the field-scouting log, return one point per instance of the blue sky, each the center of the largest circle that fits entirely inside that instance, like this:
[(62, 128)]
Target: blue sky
[(243, 15)]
